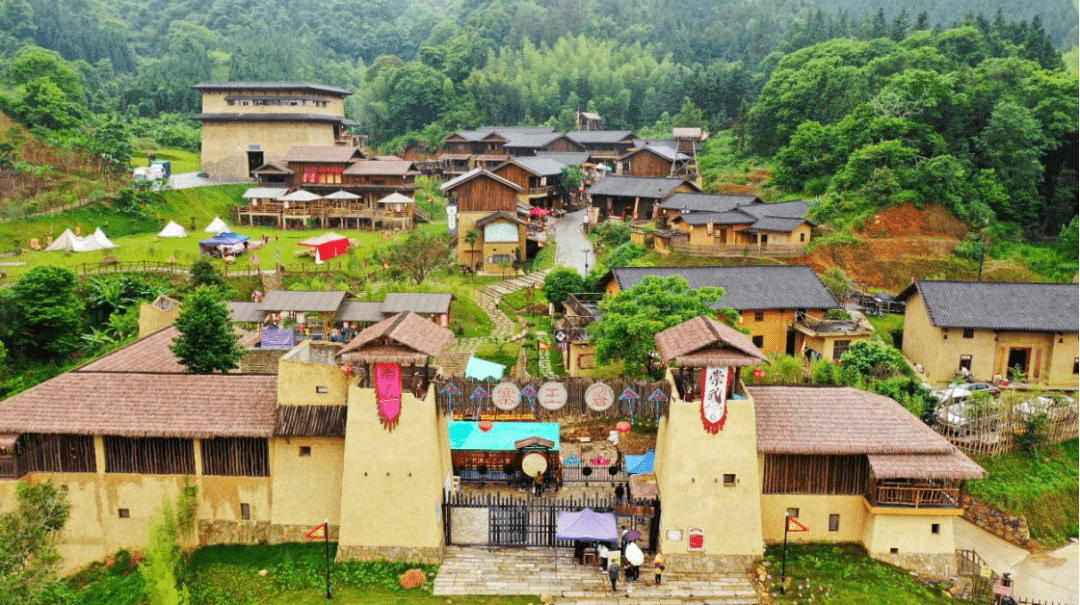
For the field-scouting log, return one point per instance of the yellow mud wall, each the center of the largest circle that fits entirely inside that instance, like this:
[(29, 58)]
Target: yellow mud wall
[(299, 381), (690, 465), (1041, 345), (909, 533), (152, 319), (773, 327), (306, 489), (466, 221), (582, 359), (225, 145), (213, 101), (814, 511), (1062, 361)]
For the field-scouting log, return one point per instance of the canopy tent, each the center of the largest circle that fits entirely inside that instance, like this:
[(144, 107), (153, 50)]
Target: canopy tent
[(502, 436), (396, 198), (173, 229), (217, 226), (327, 245), (586, 524), (342, 195), (481, 369), (300, 195), (230, 243), (636, 465), (538, 211), (69, 242)]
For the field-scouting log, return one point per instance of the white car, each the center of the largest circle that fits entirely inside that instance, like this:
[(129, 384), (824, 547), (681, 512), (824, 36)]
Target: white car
[(1054, 407)]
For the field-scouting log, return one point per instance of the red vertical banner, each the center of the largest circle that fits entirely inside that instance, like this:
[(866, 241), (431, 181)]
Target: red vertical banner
[(388, 393)]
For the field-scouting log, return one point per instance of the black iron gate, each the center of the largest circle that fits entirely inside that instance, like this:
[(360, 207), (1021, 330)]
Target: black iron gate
[(526, 521)]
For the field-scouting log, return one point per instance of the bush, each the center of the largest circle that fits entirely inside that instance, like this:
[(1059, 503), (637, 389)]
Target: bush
[(561, 283), (613, 233), (625, 254)]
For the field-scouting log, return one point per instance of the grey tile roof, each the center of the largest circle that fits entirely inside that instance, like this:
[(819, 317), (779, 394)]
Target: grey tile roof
[(530, 140), (246, 312), (302, 301), (636, 186), (1025, 307), (672, 143), (566, 158), (352, 310), (272, 86), (755, 287), (539, 166), (322, 153), (474, 173), (776, 224), (505, 130), (792, 209), (708, 202), (417, 302), (668, 153), (587, 137), (718, 218)]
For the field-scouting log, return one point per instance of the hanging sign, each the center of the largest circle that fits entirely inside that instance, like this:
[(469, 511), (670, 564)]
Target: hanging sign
[(599, 397), (697, 538), (388, 393), (506, 396), (714, 398), (552, 395)]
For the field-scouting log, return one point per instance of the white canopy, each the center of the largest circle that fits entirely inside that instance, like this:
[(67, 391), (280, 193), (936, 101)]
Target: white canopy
[(68, 241), (300, 196), (342, 195), (102, 241), (217, 226), (173, 229), (396, 198)]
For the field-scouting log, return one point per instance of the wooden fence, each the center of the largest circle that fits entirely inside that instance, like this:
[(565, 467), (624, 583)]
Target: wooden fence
[(988, 425), (738, 250), (472, 399), (983, 579)]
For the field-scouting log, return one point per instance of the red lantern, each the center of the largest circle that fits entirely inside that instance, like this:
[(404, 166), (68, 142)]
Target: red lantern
[(759, 374), (347, 370), (623, 427), (485, 425)]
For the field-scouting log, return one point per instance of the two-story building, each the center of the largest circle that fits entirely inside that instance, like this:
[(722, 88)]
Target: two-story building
[(488, 204)]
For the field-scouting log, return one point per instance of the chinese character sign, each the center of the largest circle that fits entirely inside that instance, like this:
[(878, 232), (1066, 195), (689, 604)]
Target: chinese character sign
[(714, 398), (599, 397), (552, 395), (506, 396)]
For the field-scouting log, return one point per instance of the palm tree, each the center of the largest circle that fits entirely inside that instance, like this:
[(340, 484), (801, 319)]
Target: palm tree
[(471, 237)]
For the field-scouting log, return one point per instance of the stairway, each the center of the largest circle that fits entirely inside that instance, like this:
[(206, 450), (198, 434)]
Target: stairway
[(271, 280)]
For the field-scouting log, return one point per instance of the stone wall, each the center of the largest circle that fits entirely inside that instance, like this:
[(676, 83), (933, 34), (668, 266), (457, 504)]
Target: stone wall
[(1012, 528), (261, 361), (427, 556), (233, 532), (296, 533), (469, 525), (936, 566), (693, 563)]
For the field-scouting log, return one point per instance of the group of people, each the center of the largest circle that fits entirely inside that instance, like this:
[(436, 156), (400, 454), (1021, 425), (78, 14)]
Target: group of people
[(612, 561)]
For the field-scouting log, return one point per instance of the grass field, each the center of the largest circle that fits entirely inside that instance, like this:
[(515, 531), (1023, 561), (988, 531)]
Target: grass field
[(182, 161)]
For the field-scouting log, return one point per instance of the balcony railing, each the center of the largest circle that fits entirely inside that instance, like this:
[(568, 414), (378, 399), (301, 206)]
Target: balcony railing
[(921, 495)]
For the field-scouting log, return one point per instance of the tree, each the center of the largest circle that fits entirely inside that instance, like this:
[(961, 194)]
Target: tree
[(560, 283), (570, 183), (471, 237), (44, 322), (631, 318), (874, 359), (204, 273), (837, 283), (419, 254), (112, 142), (28, 554), (161, 567), (207, 341)]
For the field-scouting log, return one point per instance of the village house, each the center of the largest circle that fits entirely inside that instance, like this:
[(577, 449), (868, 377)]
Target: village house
[(604, 147), (717, 224), (492, 206), (1023, 332), (637, 198), (246, 125), (863, 469), (540, 179)]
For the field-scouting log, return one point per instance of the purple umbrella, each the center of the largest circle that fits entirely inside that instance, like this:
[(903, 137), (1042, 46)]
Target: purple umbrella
[(632, 535)]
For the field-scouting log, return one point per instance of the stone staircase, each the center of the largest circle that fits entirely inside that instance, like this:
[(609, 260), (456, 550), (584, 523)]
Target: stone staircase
[(271, 280), (539, 571), (513, 285)]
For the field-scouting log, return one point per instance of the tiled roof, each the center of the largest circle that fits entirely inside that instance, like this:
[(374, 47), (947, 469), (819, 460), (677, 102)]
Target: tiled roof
[(667, 153), (754, 287), (273, 86), (717, 218), (781, 225), (381, 167), (417, 302), (704, 336), (145, 405), (303, 301), (708, 202), (792, 209), (322, 153), (672, 143), (1025, 307), (476, 173), (246, 312), (352, 310), (411, 338), (539, 166), (595, 137), (652, 187), (566, 158)]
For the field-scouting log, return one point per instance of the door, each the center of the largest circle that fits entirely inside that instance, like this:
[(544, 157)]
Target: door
[(1018, 358), (255, 159), (790, 350)]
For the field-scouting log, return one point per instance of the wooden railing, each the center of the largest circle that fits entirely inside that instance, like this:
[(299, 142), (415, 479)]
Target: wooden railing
[(737, 250), (885, 493), (139, 266)]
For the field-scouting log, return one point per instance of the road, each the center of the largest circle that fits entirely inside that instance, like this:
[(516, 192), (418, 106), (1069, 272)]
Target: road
[(1049, 576), (187, 180), (572, 248)]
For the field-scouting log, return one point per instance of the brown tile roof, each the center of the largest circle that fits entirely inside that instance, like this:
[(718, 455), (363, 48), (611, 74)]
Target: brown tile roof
[(705, 341), (840, 421), (149, 354), (955, 466), (381, 167), (145, 405), (403, 338), (322, 153)]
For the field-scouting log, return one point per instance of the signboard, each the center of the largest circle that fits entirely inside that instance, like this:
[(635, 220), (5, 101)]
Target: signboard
[(561, 335), (599, 397), (506, 396), (714, 398), (451, 218), (674, 535), (552, 395), (985, 571), (1005, 591), (697, 539)]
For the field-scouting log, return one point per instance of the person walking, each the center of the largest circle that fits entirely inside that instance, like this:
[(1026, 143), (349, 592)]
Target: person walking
[(658, 563), (614, 563), (538, 483)]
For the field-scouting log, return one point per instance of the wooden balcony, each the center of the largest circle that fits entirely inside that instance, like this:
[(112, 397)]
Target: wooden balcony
[(908, 494)]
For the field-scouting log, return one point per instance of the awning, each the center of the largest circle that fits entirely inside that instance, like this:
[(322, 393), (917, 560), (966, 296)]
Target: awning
[(640, 464), (586, 525), (501, 437), (481, 369), (224, 239)]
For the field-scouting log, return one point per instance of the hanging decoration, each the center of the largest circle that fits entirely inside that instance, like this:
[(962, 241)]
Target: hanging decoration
[(529, 394), (485, 425), (759, 374), (599, 397), (450, 389), (630, 396), (714, 398), (347, 370), (657, 398), (506, 396), (623, 427), (552, 395), (571, 461), (388, 393), (479, 395)]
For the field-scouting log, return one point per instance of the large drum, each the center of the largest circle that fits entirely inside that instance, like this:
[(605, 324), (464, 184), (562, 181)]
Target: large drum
[(534, 463)]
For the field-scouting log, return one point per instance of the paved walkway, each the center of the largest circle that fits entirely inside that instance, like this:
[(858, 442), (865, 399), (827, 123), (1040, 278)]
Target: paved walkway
[(538, 571), (572, 248), (188, 180), (1050, 576)]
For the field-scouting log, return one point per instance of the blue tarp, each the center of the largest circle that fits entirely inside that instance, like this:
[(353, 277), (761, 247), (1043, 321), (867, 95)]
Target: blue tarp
[(586, 525), (501, 437), (481, 369), (640, 465), (224, 239)]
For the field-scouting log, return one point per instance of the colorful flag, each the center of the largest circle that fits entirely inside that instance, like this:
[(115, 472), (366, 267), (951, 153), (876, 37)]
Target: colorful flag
[(319, 532), (545, 345), (793, 525)]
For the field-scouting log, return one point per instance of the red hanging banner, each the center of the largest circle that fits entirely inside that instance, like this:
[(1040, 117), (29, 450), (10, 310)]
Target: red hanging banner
[(388, 393)]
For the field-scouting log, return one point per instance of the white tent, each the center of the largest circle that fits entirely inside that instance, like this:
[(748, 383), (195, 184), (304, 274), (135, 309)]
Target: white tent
[(217, 226), (173, 229), (68, 241), (102, 241)]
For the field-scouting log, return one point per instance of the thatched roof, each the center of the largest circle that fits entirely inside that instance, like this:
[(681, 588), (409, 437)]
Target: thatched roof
[(402, 338), (703, 341), (309, 420), (149, 354), (145, 405), (955, 466), (643, 487), (7, 441)]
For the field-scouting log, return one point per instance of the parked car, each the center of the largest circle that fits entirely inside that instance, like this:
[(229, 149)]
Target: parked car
[(1056, 408), (967, 417), (959, 392)]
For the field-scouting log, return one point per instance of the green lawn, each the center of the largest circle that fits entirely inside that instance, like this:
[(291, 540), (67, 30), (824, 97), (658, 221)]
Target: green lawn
[(182, 161), (1043, 488), (843, 574)]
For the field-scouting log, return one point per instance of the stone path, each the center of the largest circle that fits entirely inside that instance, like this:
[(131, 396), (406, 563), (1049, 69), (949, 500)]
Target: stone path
[(572, 248), (546, 370), (538, 571)]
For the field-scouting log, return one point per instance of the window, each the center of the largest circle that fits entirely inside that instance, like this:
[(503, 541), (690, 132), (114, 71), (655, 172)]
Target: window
[(759, 341), (894, 551), (322, 390), (969, 332), (759, 316), (729, 479), (834, 522), (245, 511), (839, 347), (793, 512), (965, 362), (124, 513), (935, 528), (1076, 365), (802, 237), (305, 450)]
